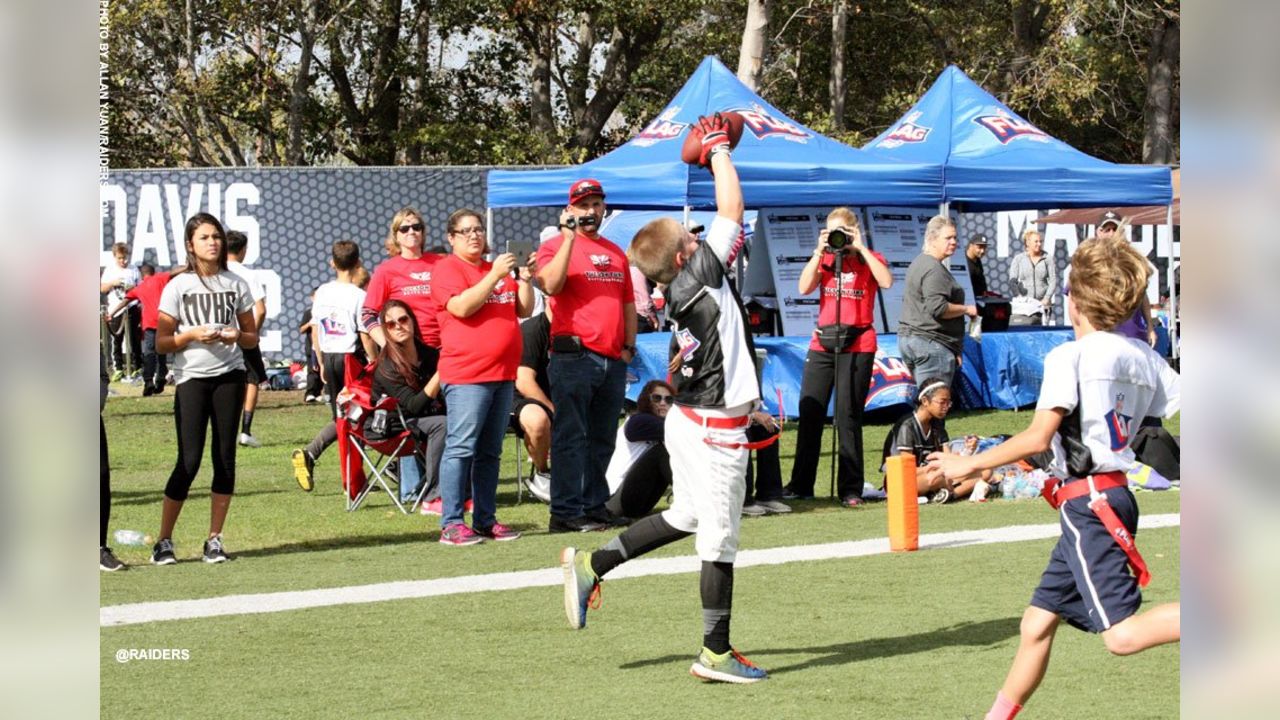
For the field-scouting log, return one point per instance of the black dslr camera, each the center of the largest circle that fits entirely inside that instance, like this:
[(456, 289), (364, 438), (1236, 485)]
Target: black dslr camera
[(837, 240)]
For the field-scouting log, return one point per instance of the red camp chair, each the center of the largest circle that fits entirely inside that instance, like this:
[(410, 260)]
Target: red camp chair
[(358, 450)]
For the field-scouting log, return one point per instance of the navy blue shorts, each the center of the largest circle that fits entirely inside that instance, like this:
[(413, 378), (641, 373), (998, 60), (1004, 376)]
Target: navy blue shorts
[(1088, 582)]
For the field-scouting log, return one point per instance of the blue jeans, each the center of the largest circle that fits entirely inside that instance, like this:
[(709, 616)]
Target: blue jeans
[(587, 390), (477, 421), (154, 367), (927, 358)]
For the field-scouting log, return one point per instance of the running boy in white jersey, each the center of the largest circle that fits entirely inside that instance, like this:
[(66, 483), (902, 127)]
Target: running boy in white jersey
[(713, 372), (1095, 393)]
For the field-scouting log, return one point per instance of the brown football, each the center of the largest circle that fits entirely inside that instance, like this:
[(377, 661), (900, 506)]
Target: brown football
[(692, 148)]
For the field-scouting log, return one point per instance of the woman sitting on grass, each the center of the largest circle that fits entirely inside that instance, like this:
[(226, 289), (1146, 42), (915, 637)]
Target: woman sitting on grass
[(640, 470), (924, 431)]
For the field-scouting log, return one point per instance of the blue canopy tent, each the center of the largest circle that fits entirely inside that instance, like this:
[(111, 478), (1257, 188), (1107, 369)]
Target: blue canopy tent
[(780, 162), (993, 159)]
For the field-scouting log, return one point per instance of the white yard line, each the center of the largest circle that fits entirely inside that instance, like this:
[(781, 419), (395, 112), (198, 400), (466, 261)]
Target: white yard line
[(298, 599)]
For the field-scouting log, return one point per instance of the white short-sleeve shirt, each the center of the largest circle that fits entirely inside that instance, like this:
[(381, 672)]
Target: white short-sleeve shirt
[(1116, 381), (335, 315)]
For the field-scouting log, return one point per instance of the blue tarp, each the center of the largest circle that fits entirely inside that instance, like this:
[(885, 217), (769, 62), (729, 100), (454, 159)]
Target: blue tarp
[(993, 159), (780, 162), (1002, 371)]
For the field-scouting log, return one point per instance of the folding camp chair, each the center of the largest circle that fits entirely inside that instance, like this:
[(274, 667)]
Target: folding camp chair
[(365, 457)]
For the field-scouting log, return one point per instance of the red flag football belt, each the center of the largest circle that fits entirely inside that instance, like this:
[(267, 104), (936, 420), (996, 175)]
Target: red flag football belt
[(1057, 494), (728, 423)]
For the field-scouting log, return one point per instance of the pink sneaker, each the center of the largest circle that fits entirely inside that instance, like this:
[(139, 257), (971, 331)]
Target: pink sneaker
[(459, 535), (432, 507), (498, 532)]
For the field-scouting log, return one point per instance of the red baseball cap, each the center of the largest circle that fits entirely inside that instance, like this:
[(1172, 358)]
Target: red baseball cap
[(585, 188)]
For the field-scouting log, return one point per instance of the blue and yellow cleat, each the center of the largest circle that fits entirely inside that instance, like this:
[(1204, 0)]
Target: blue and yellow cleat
[(731, 667), (581, 586)]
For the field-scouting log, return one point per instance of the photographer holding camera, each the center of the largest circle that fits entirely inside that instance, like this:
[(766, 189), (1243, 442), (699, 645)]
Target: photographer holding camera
[(593, 335), (841, 352)]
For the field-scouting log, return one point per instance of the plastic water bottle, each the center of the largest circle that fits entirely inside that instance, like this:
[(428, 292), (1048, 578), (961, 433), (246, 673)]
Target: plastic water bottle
[(131, 538)]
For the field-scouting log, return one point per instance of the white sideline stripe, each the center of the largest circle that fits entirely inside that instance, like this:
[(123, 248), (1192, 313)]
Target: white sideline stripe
[(136, 613)]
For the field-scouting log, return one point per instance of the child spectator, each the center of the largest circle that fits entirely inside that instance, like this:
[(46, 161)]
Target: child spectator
[(147, 294), (205, 319), (924, 431), (1096, 391), (117, 279), (335, 322), (315, 386)]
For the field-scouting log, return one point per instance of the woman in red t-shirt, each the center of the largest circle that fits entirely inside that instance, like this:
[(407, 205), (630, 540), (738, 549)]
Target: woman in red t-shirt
[(862, 271), (406, 277), (480, 350)]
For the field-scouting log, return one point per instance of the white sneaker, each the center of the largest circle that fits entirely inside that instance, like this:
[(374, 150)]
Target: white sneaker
[(774, 507), (539, 485), (753, 510), (309, 399), (248, 440), (871, 492)]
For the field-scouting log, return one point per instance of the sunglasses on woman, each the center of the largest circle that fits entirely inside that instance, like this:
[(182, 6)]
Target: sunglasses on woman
[(403, 321), (415, 227), (660, 399)]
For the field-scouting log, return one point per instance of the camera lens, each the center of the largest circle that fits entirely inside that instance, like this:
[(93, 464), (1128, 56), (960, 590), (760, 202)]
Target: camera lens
[(837, 240)]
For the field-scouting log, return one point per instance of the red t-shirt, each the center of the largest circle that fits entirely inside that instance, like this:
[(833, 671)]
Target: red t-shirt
[(485, 347), (147, 293), (590, 304), (858, 302), (407, 280)]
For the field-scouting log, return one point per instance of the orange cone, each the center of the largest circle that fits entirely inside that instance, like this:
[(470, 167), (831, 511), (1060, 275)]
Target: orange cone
[(904, 512)]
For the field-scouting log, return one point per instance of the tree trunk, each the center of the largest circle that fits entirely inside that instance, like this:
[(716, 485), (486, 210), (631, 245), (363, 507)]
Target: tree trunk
[(628, 47), (1028, 21), (836, 83), (754, 32), (1158, 144), (541, 47), (301, 84), (414, 151)]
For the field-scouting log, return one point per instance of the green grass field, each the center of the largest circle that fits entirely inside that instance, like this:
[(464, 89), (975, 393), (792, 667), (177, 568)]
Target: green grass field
[(918, 635)]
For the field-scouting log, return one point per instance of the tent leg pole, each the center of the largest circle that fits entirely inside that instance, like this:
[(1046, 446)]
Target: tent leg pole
[(488, 223), (944, 209)]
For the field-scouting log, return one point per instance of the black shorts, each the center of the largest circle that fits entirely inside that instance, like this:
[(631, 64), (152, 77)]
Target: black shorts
[(255, 370), (516, 407), (1088, 582)]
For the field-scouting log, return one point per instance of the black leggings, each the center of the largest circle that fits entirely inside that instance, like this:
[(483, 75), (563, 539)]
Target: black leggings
[(820, 370), (201, 403), (643, 484), (104, 487), (335, 367)]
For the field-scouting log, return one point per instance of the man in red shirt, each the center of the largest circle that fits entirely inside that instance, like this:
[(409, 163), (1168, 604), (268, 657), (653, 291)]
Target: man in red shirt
[(147, 293), (593, 334)]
